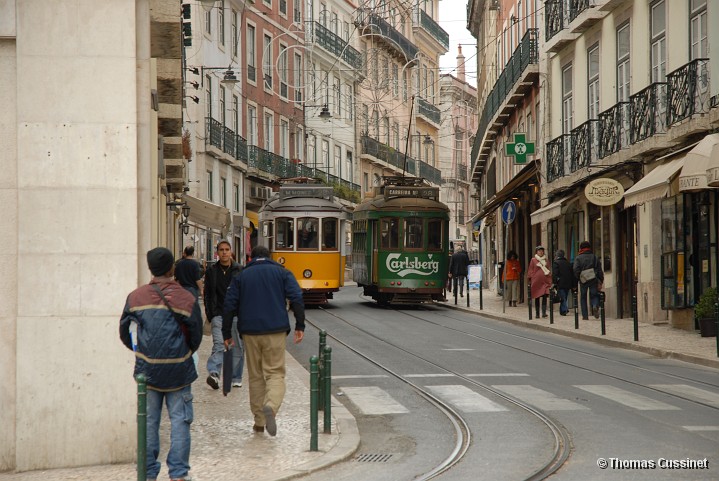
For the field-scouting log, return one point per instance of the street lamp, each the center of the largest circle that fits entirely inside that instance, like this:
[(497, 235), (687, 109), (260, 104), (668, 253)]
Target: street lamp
[(228, 78)]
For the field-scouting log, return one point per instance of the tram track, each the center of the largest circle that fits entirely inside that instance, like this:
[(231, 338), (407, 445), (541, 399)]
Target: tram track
[(562, 444)]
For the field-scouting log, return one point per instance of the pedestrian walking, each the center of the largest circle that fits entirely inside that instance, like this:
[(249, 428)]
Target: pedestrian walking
[(217, 281), (563, 279), (257, 296), (540, 279), (458, 269), (188, 272), (512, 273), (162, 323), (588, 271)]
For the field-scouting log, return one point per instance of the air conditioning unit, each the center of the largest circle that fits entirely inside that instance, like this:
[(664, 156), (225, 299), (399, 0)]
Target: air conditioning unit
[(253, 192), (264, 193)]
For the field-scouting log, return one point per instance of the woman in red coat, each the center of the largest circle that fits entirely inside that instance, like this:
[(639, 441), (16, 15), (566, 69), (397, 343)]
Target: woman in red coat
[(539, 277)]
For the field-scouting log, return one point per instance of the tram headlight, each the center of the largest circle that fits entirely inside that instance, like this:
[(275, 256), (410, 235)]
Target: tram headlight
[(307, 273), (281, 260)]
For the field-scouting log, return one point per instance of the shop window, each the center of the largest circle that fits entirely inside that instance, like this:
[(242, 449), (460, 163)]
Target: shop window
[(673, 254)]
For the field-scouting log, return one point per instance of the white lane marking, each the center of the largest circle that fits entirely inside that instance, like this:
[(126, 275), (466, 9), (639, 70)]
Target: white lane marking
[(629, 399), (701, 428), (498, 374), (539, 398), (372, 400), (458, 349), (359, 376), (686, 390), (430, 375), (465, 399)]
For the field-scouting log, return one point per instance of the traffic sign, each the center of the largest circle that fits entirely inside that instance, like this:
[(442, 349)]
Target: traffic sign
[(519, 149), (509, 212)]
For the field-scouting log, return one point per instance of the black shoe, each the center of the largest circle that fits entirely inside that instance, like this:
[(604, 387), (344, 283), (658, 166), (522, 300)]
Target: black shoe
[(585, 318), (270, 423), (461, 295), (213, 380), (595, 312)]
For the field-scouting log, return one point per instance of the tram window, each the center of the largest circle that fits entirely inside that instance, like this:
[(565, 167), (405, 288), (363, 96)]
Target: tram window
[(413, 233), (434, 235), (329, 234), (285, 233), (307, 228), (389, 233)]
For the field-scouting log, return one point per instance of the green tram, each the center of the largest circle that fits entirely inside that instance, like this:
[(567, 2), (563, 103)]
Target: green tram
[(400, 243)]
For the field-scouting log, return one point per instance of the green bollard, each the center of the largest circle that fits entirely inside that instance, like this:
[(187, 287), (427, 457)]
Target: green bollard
[(575, 301), (529, 299), (635, 314), (141, 427), (328, 390), (716, 320), (321, 368), (314, 394), (602, 314)]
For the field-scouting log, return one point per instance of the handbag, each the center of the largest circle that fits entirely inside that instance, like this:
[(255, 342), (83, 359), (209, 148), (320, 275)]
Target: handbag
[(554, 295), (588, 274)]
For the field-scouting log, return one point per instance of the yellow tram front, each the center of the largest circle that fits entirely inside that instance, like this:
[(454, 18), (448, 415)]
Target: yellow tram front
[(305, 227)]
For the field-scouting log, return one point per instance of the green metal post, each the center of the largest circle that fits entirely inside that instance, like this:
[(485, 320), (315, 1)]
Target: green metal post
[(575, 301), (551, 307), (716, 320), (321, 367), (481, 301), (602, 314), (529, 299), (328, 390), (635, 314), (141, 427), (314, 394)]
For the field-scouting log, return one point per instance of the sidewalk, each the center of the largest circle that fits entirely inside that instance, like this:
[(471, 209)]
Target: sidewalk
[(659, 339), (224, 447)]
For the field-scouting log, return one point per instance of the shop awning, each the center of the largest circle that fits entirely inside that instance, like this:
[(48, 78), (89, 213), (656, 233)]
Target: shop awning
[(208, 214), (697, 163), (548, 212), (513, 186), (252, 217), (655, 184)]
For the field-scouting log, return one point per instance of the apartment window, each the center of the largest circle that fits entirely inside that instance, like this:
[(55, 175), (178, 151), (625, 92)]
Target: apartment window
[(338, 161), (323, 14), (334, 23), (299, 151), (385, 129), (567, 108), (251, 53), (659, 41), (312, 80), (530, 126), (236, 114), (346, 31), (236, 197), (284, 139), (404, 86), (395, 135), (395, 80), (337, 96), (311, 153), (221, 22), (267, 60), (283, 7), (417, 146), (297, 80), (208, 22), (267, 2), (623, 73), (251, 125), (326, 155), (429, 153), (234, 33), (458, 147), (365, 182), (208, 95), (223, 92), (282, 65), (209, 186), (269, 131), (375, 67), (350, 170), (593, 87), (698, 29), (350, 101), (375, 124), (223, 192), (365, 119), (431, 86)]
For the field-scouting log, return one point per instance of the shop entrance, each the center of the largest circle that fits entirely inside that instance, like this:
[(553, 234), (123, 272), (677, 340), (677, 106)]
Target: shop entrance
[(626, 261)]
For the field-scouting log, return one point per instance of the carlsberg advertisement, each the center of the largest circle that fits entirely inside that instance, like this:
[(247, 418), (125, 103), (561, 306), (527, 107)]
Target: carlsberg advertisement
[(418, 266)]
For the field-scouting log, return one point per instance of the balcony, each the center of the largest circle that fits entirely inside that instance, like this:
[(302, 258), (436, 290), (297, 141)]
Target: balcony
[(462, 172), (225, 140), (565, 20), (378, 26), (228, 142), (431, 174), (241, 153), (558, 151), (518, 77), (688, 91), (429, 111), (553, 18), (614, 129), (424, 21), (584, 142), (336, 46), (214, 132), (648, 109), (387, 154)]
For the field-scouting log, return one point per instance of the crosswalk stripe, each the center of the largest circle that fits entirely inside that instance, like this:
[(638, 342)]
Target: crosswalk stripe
[(430, 375), (359, 376), (629, 399), (686, 390), (372, 400), (458, 349), (499, 374), (540, 398), (465, 399), (701, 428)]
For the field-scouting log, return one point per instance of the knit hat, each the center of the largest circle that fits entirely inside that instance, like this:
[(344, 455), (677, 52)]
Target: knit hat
[(160, 261), (560, 254), (538, 247)]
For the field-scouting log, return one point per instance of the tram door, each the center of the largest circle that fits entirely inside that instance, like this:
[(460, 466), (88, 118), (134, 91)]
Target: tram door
[(627, 261)]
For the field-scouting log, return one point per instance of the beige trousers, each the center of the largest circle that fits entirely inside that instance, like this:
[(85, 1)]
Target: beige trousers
[(265, 362)]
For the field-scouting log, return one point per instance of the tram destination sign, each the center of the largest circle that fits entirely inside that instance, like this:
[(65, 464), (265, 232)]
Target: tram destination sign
[(310, 192), (419, 192)]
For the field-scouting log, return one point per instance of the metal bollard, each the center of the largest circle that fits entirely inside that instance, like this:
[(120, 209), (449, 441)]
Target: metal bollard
[(551, 308), (481, 304), (314, 395), (141, 427), (467, 288), (529, 299), (636, 318), (328, 390), (320, 367), (575, 301), (455, 287), (602, 316), (716, 320)]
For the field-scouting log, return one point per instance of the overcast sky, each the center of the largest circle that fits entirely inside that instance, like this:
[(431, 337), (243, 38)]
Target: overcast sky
[(453, 19)]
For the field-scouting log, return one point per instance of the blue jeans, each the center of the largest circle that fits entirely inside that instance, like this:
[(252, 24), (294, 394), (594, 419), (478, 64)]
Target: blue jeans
[(593, 297), (214, 362), (563, 293), (179, 408)]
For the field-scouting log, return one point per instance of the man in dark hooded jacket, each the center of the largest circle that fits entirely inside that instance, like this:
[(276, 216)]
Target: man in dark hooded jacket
[(563, 279), (587, 261)]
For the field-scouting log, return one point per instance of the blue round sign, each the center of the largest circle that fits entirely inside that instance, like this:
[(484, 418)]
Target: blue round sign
[(509, 212)]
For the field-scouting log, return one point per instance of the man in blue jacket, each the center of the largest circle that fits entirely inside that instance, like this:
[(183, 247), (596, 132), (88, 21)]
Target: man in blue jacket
[(257, 297), (162, 324)]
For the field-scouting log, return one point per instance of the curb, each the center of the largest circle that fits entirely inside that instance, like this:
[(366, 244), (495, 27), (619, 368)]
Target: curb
[(653, 351)]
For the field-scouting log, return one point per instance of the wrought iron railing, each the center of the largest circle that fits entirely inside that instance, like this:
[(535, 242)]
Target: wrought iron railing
[(428, 110), (378, 25), (241, 152), (228, 141), (553, 18), (556, 155), (422, 19), (576, 7), (688, 91), (614, 129), (388, 154), (430, 173), (585, 140), (526, 53), (214, 132), (648, 112), (335, 45)]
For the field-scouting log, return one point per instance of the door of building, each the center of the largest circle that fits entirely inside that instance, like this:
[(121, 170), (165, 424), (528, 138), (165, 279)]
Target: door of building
[(626, 261)]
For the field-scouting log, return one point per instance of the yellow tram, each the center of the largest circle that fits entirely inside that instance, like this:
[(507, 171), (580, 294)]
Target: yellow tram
[(304, 227)]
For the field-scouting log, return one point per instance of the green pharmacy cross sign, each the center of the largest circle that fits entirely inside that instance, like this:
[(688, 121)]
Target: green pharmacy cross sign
[(519, 148)]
